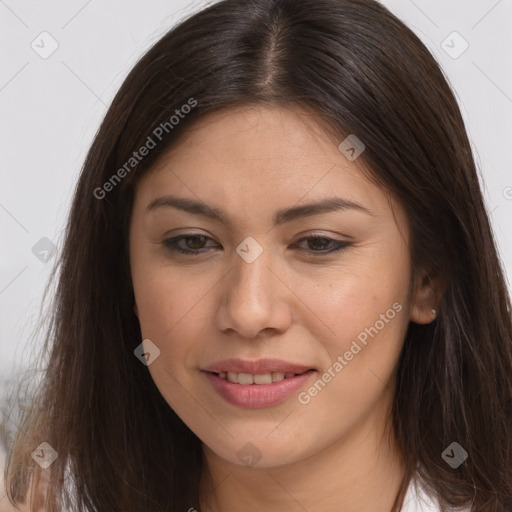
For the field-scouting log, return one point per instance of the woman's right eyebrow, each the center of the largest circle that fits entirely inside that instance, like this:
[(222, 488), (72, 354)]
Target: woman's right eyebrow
[(197, 207)]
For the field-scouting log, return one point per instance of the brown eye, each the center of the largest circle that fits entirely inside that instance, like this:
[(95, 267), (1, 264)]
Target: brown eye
[(192, 244), (323, 245), (195, 244)]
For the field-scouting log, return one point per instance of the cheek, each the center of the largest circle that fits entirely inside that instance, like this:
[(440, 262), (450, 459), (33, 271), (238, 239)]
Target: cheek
[(361, 318), (361, 356), (355, 301), (171, 312), (171, 321), (163, 296), (165, 316)]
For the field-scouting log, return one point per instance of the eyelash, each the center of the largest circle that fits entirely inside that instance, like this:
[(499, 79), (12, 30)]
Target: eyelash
[(172, 245)]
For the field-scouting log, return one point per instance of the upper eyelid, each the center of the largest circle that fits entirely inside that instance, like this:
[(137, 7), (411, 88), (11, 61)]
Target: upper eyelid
[(191, 235)]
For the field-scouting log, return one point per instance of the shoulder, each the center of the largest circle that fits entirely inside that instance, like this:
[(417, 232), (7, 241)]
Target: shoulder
[(417, 500)]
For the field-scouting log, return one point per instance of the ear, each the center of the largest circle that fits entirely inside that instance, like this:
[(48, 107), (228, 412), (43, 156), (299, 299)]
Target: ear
[(428, 289)]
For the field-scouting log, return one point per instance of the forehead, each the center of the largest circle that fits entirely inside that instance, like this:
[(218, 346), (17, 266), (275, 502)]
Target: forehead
[(247, 158), (258, 136)]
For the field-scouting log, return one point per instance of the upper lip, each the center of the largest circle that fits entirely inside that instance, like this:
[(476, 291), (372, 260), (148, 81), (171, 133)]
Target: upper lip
[(257, 367)]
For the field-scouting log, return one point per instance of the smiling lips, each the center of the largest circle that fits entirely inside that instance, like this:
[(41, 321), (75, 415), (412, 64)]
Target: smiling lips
[(256, 384)]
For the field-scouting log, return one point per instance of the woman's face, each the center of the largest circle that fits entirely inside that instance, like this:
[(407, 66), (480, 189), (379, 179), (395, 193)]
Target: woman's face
[(255, 288)]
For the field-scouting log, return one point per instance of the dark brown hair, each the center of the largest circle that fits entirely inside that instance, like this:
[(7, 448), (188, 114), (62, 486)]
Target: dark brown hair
[(360, 71)]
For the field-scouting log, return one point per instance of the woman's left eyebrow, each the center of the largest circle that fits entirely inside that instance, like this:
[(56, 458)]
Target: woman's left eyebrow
[(196, 207)]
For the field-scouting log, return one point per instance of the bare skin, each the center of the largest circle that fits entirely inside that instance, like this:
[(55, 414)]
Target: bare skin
[(332, 450)]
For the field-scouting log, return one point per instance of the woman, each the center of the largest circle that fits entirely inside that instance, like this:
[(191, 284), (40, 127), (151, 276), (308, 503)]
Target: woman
[(279, 288)]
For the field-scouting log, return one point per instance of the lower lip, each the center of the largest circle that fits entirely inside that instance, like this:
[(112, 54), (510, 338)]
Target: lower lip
[(254, 396)]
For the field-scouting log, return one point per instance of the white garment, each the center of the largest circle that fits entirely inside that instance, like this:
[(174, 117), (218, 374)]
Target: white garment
[(416, 500)]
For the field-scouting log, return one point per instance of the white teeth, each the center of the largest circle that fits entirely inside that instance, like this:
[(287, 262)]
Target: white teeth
[(246, 379), (266, 378), (277, 376), (233, 377)]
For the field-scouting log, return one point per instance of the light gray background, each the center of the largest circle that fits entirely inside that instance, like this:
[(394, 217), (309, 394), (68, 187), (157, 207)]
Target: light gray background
[(50, 109)]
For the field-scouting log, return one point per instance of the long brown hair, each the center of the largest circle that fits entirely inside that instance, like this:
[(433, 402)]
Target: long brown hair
[(361, 71)]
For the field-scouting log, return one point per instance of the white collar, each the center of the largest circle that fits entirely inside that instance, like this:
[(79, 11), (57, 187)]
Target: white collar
[(417, 500)]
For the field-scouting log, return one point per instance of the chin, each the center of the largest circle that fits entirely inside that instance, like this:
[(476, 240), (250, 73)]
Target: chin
[(259, 452)]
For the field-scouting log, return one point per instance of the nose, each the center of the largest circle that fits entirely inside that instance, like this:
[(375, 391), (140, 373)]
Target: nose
[(254, 299)]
